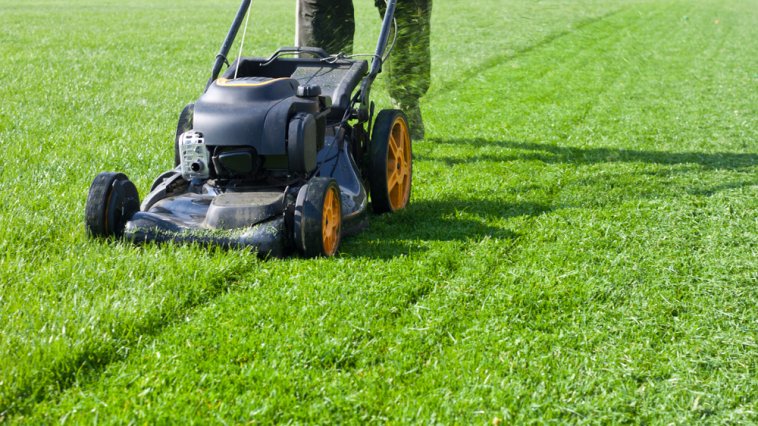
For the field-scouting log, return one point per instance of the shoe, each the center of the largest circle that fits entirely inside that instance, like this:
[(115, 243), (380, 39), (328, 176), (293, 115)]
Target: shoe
[(415, 123)]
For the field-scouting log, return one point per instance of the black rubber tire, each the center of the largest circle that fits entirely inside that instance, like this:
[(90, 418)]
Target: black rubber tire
[(111, 202), (309, 218), (184, 125), (383, 196)]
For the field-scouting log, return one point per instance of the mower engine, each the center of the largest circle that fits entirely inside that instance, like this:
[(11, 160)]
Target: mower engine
[(250, 127), (194, 156)]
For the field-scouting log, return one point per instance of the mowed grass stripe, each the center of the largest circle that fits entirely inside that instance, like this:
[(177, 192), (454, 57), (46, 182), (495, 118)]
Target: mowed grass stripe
[(538, 93), (88, 323), (498, 60), (287, 332), (591, 300)]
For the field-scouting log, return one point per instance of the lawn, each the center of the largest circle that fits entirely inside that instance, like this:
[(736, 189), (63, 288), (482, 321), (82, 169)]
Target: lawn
[(581, 244)]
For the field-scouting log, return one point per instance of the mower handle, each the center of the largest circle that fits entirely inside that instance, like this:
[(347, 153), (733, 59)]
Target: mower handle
[(316, 52), (228, 41), (376, 65)]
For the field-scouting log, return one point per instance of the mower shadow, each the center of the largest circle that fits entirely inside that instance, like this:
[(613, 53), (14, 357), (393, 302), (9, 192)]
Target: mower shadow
[(402, 233), (552, 154)]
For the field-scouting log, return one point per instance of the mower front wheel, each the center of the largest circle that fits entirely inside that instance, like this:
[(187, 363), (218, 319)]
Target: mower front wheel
[(318, 218), (390, 162), (111, 202)]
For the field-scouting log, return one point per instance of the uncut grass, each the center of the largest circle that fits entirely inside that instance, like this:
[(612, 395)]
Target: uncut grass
[(581, 247)]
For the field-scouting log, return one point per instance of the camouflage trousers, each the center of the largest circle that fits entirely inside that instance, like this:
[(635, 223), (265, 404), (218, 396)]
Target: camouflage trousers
[(330, 24)]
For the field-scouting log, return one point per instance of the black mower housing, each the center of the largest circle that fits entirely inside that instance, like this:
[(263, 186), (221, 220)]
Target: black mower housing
[(260, 113)]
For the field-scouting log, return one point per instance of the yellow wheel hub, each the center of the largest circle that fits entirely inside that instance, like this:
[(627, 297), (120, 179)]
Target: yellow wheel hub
[(399, 165), (331, 219)]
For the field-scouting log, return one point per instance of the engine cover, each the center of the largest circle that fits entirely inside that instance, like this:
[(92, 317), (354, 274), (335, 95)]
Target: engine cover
[(246, 112), (256, 112)]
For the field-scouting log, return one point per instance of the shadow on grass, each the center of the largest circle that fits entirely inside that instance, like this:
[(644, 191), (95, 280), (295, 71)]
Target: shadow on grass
[(398, 234), (547, 153), (713, 190)]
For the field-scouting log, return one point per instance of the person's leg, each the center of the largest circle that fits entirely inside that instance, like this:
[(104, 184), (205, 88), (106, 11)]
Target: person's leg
[(328, 24), (410, 62)]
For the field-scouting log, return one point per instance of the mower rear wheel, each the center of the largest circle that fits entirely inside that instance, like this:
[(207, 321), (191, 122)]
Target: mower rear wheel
[(390, 162), (184, 125), (318, 218), (111, 202)]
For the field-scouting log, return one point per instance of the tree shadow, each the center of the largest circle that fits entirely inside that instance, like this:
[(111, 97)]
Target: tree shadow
[(552, 154), (456, 219)]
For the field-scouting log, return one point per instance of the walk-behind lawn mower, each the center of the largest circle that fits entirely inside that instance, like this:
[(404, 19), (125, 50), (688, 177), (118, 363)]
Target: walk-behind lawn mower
[(278, 154)]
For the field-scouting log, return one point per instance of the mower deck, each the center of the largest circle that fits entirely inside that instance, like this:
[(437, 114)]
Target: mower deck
[(253, 218)]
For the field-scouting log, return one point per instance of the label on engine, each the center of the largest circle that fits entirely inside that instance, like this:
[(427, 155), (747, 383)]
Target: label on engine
[(194, 156)]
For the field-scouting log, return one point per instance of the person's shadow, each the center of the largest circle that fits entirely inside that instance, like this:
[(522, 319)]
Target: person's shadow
[(469, 219), (548, 153)]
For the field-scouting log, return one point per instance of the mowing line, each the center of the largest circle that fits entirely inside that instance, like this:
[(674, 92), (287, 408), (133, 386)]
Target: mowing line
[(92, 359), (444, 87)]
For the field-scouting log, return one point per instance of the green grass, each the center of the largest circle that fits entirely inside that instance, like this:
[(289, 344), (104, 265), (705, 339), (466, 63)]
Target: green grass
[(582, 244)]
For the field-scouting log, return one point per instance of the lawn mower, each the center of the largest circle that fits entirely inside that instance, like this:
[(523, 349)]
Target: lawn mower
[(278, 154)]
